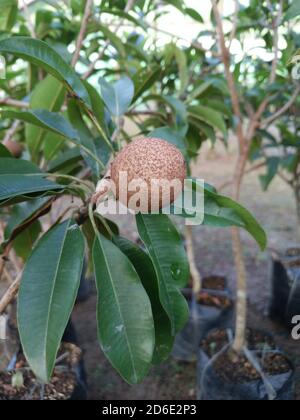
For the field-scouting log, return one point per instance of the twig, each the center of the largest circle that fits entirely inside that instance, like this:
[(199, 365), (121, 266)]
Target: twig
[(234, 23), (14, 102), (92, 66), (268, 121), (12, 131), (250, 170), (10, 294), (254, 122), (83, 28), (28, 19), (4, 258), (225, 55)]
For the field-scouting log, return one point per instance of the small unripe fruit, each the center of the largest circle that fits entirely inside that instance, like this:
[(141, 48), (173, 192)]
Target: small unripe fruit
[(148, 166), (15, 148)]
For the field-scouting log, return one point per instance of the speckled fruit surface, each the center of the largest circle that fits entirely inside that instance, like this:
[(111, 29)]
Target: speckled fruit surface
[(148, 162)]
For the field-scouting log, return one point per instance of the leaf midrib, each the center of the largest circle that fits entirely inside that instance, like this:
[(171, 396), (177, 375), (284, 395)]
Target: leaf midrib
[(160, 276), (52, 294), (119, 308)]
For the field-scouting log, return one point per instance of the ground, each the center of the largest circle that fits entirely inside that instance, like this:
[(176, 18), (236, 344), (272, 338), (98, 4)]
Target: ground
[(171, 381)]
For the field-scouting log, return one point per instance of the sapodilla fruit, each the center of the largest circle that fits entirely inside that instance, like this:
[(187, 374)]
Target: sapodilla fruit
[(15, 148), (144, 171)]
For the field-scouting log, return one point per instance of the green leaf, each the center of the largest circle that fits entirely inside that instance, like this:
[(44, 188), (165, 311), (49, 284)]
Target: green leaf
[(48, 94), (293, 11), (51, 121), (176, 3), (209, 116), (122, 14), (41, 54), (25, 241), (113, 38), (172, 136), (118, 96), (23, 215), (47, 295), (272, 169), (194, 14), (18, 179), (86, 137), (144, 79), (66, 159), (98, 106), (167, 253), (199, 90), (182, 67), (125, 320), (53, 143), (221, 211), (4, 152), (9, 12), (144, 267)]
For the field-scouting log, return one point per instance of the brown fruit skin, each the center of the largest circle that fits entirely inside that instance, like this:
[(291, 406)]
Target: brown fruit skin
[(15, 148), (149, 159)]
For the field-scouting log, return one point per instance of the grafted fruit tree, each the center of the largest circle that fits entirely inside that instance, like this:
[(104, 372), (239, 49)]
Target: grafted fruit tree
[(75, 78)]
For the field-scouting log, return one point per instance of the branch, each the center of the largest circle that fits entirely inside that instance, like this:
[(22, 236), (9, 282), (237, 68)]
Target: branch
[(4, 258), (92, 66), (283, 110), (10, 294), (195, 275), (247, 172), (12, 131), (83, 28), (225, 56), (14, 102), (254, 122), (235, 22), (28, 19)]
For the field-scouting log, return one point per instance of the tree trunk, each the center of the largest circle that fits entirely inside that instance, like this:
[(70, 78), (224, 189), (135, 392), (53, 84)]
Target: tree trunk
[(195, 274), (241, 297)]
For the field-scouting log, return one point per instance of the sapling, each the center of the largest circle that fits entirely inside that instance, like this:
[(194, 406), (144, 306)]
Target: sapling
[(140, 305), (249, 117)]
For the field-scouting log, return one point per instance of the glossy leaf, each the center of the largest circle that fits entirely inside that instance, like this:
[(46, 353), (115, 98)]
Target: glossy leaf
[(125, 321), (172, 136), (47, 120), (24, 214), (18, 179), (194, 14), (222, 211), (144, 79), (113, 38), (47, 295), (85, 136), (144, 267), (118, 96), (66, 159), (167, 253), (209, 116), (25, 241), (41, 54), (49, 95)]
